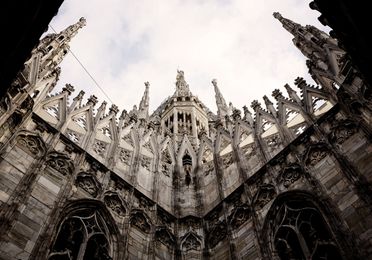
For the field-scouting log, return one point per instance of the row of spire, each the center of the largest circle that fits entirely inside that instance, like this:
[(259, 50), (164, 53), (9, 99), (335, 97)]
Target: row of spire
[(307, 39)]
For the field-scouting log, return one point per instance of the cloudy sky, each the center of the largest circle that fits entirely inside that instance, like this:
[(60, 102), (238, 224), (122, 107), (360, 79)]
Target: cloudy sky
[(128, 42)]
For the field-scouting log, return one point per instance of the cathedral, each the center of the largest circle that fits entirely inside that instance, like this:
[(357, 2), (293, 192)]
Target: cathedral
[(288, 179)]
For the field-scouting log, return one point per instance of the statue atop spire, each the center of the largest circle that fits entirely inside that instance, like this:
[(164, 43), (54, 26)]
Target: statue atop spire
[(182, 88)]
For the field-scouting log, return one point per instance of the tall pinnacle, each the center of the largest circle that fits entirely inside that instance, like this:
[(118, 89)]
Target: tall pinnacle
[(289, 25), (222, 108), (143, 110), (72, 30)]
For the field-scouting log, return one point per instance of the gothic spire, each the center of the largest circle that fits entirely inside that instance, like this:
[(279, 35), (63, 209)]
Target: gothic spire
[(222, 108), (60, 40), (54, 47), (289, 25), (143, 109)]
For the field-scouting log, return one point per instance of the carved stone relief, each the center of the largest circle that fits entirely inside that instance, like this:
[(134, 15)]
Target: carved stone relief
[(273, 142), (141, 221), (216, 234), (289, 175), (100, 148), (163, 235), (146, 162), (118, 185), (208, 168), (227, 160), (265, 194), (125, 156), (190, 241), (239, 216), (89, 183), (60, 162), (315, 154), (166, 163), (113, 202), (248, 151), (341, 131), (32, 143)]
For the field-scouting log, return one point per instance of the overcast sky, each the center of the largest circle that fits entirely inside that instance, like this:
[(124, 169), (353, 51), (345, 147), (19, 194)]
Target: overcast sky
[(238, 42)]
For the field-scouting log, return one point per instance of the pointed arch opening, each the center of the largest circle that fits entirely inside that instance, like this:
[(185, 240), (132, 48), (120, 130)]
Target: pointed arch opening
[(187, 166), (86, 231), (297, 226)]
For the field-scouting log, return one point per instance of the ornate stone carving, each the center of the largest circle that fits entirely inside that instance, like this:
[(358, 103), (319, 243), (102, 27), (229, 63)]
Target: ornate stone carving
[(315, 154), (60, 162), (164, 218), (190, 241), (146, 162), (342, 131), (125, 156), (113, 202), (118, 185), (208, 168), (227, 160), (289, 175), (239, 216), (273, 142), (265, 194), (34, 144), (248, 151), (166, 163), (217, 233), (100, 148), (141, 221), (89, 183), (163, 235)]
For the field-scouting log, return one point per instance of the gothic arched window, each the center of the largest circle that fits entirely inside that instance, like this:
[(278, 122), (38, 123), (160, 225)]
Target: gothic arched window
[(83, 235), (300, 232)]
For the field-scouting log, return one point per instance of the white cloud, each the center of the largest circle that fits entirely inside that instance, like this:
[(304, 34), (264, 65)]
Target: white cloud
[(126, 43)]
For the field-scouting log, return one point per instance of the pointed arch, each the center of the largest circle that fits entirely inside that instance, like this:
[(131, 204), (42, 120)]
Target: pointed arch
[(300, 226), (85, 230)]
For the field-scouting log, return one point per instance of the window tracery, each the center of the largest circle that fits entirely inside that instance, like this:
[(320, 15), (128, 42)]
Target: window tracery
[(82, 236), (300, 232)]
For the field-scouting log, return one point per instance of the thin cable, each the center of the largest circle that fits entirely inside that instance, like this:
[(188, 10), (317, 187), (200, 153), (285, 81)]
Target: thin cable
[(85, 69)]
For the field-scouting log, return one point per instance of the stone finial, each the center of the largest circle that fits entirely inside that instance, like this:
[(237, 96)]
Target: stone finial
[(300, 82), (68, 88), (255, 104), (113, 109), (123, 114), (277, 15), (236, 114), (82, 21), (147, 84), (79, 96), (267, 101), (292, 94), (248, 115), (92, 100), (102, 106), (277, 94), (214, 82)]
